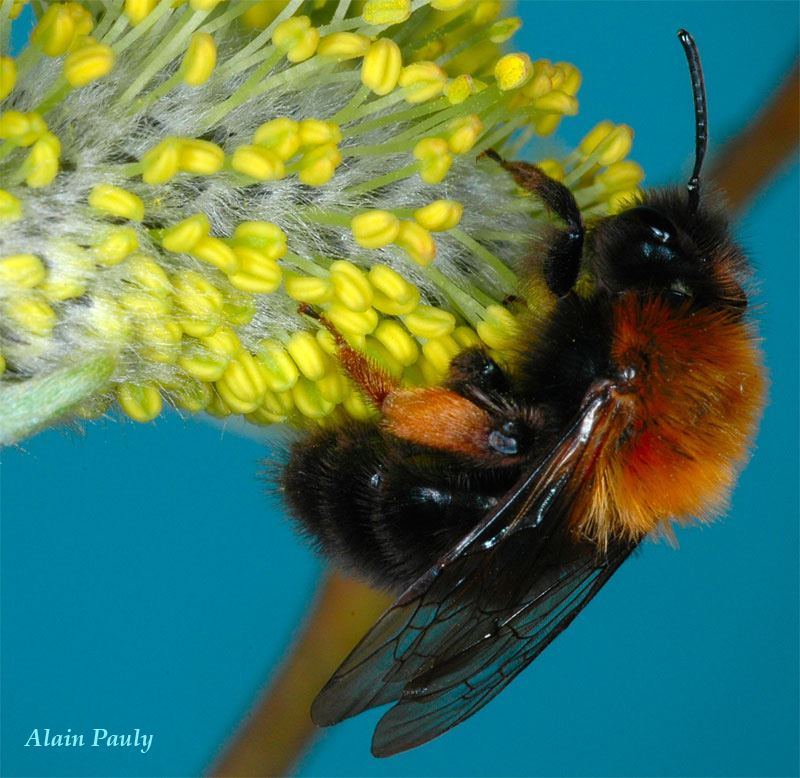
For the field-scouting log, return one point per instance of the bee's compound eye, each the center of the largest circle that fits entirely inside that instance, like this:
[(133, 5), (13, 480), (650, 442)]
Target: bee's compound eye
[(661, 229), (502, 444)]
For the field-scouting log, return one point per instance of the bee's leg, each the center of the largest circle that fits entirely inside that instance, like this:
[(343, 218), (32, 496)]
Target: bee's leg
[(373, 382), (564, 257), (474, 375)]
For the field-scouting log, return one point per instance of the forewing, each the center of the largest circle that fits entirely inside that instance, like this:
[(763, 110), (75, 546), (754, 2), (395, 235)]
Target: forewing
[(453, 690), (486, 609)]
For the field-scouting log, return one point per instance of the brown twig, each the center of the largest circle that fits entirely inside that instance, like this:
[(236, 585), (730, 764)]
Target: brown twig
[(274, 737), (749, 161), (279, 728)]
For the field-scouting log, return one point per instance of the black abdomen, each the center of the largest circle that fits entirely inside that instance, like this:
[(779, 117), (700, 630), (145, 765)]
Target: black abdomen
[(383, 508)]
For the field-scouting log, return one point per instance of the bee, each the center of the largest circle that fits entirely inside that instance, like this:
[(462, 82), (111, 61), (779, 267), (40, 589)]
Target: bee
[(498, 504)]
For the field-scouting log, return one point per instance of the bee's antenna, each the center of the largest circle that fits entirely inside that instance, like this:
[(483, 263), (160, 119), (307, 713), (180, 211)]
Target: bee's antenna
[(700, 115)]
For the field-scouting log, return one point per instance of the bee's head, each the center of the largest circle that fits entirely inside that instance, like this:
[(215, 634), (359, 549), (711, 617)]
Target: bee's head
[(662, 247), (670, 244)]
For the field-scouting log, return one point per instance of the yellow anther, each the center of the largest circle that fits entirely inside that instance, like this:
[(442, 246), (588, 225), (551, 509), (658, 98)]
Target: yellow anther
[(224, 342), (32, 313), (216, 253), (184, 236), (239, 307), (448, 5), (435, 159), (242, 383), (386, 11), (10, 207), (259, 14), (390, 307), (142, 402), (552, 168), (257, 272), (204, 367), (595, 137), (201, 300), (201, 157), (429, 51), (307, 355), (267, 237), (319, 164), (281, 371), (351, 323), (329, 346), (309, 401), (351, 286), (147, 273), (58, 290), (429, 322), (358, 408), (620, 175), (397, 342), (466, 337), (546, 123), (375, 229), (460, 88), (144, 305), (277, 403), (556, 102), (333, 387), (258, 162), (204, 5), (343, 45), (380, 355), (116, 201), (55, 31), (440, 215), (21, 128), (200, 59), (439, 352), (8, 76), (192, 396), (513, 71), (161, 339), (417, 242), (217, 407), (503, 29), (307, 289), (41, 164), (16, 8), (297, 38), (315, 132), (381, 67), (22, 270), (485, 12), (463, 133), (162, 162), (281, 136), (498, 329), (540, 84), (88, 63), (421, 81), (84, 22), (571, 82), (616, 146), (137, 10), (392, 285)]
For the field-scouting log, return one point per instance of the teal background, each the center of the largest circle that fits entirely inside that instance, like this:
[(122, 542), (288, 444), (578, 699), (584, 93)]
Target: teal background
[(148, 581)]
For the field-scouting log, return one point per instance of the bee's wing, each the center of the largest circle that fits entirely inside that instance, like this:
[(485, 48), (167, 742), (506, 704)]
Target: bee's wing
[(490, 605)]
